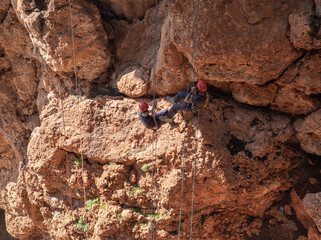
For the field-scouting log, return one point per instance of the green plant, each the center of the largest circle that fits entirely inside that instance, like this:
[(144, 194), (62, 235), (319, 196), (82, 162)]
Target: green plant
[(75, 134), (152, 215), (135, 189), (141, 224), (77, 161), (119, 216), (126, 150), (138, 210), (145, 167), (112, 163), (91, 202), (82, 226)]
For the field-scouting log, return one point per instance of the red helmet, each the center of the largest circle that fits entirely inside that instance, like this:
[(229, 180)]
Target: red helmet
[(143, 106), (202, 86)]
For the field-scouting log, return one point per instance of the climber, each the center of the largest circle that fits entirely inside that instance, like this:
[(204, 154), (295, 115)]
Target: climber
[(193, 101), (152, 121)]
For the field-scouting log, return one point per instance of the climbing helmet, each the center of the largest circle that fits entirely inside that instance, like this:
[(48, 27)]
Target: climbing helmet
[(143, 106), (202, 86)]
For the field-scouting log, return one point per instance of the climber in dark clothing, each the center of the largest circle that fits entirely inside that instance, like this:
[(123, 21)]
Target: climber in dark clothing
[(192, 101), (152, 121)]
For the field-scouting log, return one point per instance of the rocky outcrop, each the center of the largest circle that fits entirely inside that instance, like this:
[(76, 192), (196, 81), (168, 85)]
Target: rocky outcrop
[(312, 203), (308, 132), (307, 213), (121, 150), (131, 9), (245, 50), (61, 134), (47, 28)]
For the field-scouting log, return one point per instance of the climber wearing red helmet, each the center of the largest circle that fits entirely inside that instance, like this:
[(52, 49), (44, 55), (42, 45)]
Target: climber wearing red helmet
[(193, 101), (152, 121)]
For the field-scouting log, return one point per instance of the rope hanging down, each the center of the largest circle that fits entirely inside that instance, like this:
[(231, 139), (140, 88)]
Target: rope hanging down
[(67, 161), (184, 151), (154, 139), (78, 112)]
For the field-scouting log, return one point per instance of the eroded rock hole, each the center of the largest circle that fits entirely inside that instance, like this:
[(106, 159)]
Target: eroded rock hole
[(255, 122), (235, 145), (41, 5), (236, 168)]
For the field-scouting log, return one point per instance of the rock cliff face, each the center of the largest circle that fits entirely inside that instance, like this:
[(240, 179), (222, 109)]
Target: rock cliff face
[(76, 162)]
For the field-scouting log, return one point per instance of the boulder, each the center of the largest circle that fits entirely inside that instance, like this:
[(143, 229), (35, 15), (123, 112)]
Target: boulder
[(300, 211), (47, 28), (303, 33), (254, 94), (312, 204), (309, 132), (133, 81)]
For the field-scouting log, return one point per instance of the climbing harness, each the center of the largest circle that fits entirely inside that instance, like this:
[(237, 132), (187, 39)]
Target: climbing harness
[(196, 109), (154, 145), (78, 112), (184, 151)]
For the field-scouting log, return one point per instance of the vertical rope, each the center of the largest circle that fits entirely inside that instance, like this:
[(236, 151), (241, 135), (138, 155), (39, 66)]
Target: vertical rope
[(192, 68), (184, 151), (155, 54), (154, 172), (194, 170), (154, 146), (182, 184), (67, 161), (78, 112)]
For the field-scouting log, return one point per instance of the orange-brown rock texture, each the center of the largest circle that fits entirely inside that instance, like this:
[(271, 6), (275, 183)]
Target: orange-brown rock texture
[(77, 163)]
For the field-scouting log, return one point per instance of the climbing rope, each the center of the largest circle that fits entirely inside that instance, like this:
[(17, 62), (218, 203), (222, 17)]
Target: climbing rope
[(78, 112), (194, 170), (154, 139), (153, 190), (67, 161), (184, 151)]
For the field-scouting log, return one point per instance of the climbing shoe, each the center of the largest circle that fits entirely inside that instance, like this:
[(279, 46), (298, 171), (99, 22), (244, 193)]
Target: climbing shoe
[(170, 99), (165, 119), (173, 125)]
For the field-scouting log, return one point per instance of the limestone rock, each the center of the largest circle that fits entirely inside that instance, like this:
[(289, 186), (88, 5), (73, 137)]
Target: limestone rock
[(313, 234), (55, 143), (4, 8), (106, 134), (304, 75), (130, 8), (135, 42), (302, 31), (300, 211), (309, 132), (47, 29), (294, 102), (133, 81), (172, 66), (240, 51), (312, 204), (14, 37), (254, 94)]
